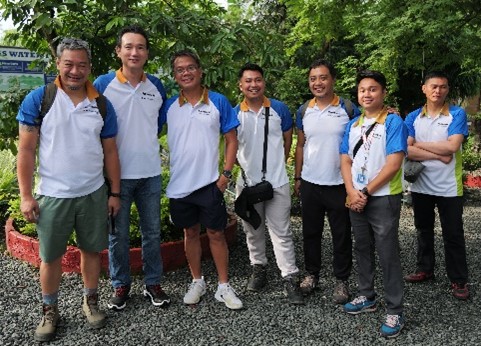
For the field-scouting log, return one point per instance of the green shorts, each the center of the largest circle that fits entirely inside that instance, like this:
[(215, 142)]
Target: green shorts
[(88, 215)]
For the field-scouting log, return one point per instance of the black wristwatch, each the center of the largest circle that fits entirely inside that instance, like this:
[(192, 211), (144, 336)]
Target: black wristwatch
[(114, 194), (365, 192), (227, 174)]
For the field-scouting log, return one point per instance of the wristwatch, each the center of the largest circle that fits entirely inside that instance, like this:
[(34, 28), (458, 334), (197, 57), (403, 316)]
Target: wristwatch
[(227, 174), (114, 194), (365, 192)]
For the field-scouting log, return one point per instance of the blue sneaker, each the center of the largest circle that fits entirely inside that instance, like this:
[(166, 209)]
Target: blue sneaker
[(360, 304), (393, 326)]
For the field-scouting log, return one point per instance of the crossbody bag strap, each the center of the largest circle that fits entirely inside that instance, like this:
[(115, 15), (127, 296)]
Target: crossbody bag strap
[(361, 140), (264, 157)]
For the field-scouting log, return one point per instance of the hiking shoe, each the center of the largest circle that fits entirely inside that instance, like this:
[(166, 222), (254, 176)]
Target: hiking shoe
[(48, 324), (393, 326), (360, 304), (309, 284), (293, 291), (258, 278), (419, 277), (341, 292), (119, 298), (157, 296), (195, 292), (90, 309), (227, 295), (460, 291)]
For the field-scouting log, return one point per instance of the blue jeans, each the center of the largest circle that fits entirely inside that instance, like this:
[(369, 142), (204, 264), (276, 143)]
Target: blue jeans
[(145, 193)]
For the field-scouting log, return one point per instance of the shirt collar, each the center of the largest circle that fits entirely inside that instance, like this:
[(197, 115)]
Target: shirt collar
[(92, 93), (336, 101), (380, 118), (120, 76), (203, 99), (444, 110), (245, 108)]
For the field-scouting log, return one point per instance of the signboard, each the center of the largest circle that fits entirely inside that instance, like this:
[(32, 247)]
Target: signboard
[(16, 69)]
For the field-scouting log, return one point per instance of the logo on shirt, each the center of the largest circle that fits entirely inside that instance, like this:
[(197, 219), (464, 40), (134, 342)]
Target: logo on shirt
[(333, 114), (147, 96), (441, 124), (204, 112)]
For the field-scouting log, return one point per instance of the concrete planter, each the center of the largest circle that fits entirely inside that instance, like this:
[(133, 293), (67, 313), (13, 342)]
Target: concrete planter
[(26, 249)]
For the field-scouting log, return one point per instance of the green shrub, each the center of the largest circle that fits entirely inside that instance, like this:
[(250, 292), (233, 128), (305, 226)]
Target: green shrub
[(471, 154)]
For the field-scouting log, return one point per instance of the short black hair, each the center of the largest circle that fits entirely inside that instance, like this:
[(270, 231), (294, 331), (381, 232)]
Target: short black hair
[(185, 52), (376, 75), (322, 62), (135, 29), (435, 74), (250, 67)]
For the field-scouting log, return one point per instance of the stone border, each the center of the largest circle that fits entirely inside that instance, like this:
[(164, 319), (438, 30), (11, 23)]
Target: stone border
[(26, 249)]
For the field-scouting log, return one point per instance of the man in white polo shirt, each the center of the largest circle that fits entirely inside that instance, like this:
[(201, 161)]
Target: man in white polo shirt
[(436, 133), (196, 189), (75, 142), (250, 133), (137, 98), (318, 178), (372, 153)]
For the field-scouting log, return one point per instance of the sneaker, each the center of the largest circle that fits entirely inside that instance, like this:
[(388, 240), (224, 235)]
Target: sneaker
[(460, 291), (195, 292), (341, 292), (419, 277), (393, 326), (360, 304), (157, 296), (293, 291), (227, 295), (119, 298), (48, 324), (309, 284), (90, 308), (258, 278)]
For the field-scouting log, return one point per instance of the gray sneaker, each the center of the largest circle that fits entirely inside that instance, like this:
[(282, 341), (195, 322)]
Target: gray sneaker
[(309, 284), (293, 291), (90, 309), (48, 324), (258, 278), (341, 292)]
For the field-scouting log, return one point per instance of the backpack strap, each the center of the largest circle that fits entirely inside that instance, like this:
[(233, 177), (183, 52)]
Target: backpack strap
[(49, 97), (304, 108), (47, 101), (102, 105), (349, 108)]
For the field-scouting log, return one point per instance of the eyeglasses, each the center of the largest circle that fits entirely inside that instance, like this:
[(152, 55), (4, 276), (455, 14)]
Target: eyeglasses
[(190, 68)]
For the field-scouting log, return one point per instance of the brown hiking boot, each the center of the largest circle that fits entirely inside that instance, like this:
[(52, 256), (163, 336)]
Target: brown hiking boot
[(341, 292), (48, 324), (90, 309), (309, 284)]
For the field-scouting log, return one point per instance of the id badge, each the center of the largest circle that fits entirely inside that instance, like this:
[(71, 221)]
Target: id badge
[(361, 178)]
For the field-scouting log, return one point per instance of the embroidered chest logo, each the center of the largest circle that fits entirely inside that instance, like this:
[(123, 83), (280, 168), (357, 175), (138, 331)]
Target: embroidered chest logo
[(333, 114), (442, 124), (147, 96), (204, 112)]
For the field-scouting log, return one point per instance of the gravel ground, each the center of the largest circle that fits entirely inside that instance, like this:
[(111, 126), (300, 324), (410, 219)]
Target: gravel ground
[(434, 317)]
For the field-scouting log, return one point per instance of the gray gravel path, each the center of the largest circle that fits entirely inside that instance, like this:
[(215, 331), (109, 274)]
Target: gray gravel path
[(434, 317)]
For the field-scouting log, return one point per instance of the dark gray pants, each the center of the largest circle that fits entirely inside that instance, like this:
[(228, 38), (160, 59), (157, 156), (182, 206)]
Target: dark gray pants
[(377, 227)]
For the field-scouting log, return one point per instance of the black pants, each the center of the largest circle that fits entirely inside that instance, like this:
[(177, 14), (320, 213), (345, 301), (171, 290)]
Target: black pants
[(316, 201), (450, 211)]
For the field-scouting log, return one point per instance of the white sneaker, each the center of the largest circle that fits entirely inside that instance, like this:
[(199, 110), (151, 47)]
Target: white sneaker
[(227, 295), (195, 292)]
